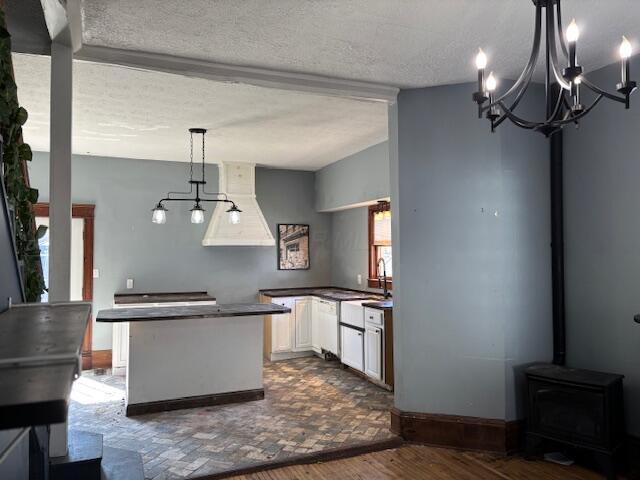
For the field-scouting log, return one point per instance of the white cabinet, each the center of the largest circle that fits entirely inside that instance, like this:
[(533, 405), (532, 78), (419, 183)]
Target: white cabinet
[(311, 326), (120, 349), (373, 352), (374, 316), (281, 328), (328, 326), (303, 324), (351, 348)]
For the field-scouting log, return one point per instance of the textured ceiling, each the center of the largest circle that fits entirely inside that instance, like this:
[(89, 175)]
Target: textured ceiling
[(407, 43), (130, 113)]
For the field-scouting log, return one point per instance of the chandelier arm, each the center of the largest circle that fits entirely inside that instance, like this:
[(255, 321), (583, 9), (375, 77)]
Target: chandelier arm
[(216, 200), (216, 194), (519, 96), (575, 118), (527, 81), (168, 199), (599, 91), (563, 43), (553, 51), (183, 193), (533, 59), (521, 122), (556, 109)]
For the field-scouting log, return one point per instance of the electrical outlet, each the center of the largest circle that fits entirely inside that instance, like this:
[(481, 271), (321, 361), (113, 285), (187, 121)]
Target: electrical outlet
[(359, 279), (96, 273), (129, 283)]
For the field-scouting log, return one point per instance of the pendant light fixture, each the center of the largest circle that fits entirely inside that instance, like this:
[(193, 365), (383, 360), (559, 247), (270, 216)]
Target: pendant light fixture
[(159, 215), (565, 102)]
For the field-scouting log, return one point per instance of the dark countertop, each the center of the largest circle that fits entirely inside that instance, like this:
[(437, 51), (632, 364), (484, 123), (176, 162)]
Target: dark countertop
[(129, 298), (381, 305), (39, 354), (142, 314), (43, 329), (329, 293)]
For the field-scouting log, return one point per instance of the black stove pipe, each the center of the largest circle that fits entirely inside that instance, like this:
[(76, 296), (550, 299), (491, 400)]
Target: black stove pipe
[(557, 248), (557, 226)]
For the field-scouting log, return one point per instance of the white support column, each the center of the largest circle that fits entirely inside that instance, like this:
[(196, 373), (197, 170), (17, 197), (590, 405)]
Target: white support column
[(60, 197)]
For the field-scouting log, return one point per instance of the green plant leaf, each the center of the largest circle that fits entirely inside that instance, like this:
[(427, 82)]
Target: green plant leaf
[(21, 116), (25, 152), (33, 195), (42, 231), (19, 195)]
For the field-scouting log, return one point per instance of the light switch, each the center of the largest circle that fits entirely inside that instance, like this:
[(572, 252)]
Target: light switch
[(129, 283), (96, 273), (359, 279)]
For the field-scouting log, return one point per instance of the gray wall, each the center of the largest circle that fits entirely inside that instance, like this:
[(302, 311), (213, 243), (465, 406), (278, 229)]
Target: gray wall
[(602, 221), (471, 255), (343, 187), (16, 465), (349, 248), (357, 179), (170, 257)]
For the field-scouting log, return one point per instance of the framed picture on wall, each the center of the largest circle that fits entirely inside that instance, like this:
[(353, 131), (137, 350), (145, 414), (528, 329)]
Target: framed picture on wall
[(293, 246)]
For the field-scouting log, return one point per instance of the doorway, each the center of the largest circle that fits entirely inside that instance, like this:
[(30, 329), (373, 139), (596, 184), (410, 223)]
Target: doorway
[(81, 262)]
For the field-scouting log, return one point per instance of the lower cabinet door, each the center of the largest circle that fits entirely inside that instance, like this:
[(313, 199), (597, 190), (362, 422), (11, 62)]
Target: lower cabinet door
[(303, 328), (281, 332), (352, 348), (373, 352)]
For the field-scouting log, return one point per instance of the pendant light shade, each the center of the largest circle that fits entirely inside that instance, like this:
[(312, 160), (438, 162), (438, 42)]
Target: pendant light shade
[(159, 215), (197, 214), (234, 215)]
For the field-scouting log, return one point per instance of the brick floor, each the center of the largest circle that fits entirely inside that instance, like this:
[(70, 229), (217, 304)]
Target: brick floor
[(310, 405)]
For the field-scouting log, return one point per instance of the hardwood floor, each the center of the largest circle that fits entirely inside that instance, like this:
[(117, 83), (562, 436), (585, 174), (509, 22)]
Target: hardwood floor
[(419, 462)]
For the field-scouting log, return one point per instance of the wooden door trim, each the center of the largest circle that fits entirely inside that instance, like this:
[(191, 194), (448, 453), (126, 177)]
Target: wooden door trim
[(86, 212)]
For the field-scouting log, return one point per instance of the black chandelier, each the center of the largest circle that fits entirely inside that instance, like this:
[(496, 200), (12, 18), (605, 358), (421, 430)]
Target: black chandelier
[(563, 102), (197, 212)]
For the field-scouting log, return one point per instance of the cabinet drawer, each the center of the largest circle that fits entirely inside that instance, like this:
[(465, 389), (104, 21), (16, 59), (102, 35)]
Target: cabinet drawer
[(374, 316)]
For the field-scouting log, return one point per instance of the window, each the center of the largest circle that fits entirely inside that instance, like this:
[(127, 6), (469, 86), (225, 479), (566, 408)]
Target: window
[(380, 243)]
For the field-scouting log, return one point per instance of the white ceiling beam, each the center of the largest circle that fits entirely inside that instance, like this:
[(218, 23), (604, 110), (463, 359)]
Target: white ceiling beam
[(64, 21), (261, 77)]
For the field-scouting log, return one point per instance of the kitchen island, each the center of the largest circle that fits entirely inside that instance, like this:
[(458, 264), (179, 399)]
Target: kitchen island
[(192, 356)]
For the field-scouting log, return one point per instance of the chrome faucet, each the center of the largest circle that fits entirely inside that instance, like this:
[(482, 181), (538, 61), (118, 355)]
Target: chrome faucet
[(383, 278)]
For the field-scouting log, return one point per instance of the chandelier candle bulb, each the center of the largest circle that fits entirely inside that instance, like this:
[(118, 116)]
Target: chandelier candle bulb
[(481, 63), (573, 33), (492, 84), (480, 96), (625, 54)]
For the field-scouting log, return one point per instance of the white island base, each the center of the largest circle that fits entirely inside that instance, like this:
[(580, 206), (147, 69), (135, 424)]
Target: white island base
[(184, 362), (196, 362)]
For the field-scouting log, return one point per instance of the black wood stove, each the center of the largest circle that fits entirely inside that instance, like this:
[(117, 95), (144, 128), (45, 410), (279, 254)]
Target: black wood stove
[(578, 408)]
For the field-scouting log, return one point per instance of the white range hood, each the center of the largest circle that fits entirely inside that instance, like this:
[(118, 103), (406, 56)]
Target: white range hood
[(237, 180)]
